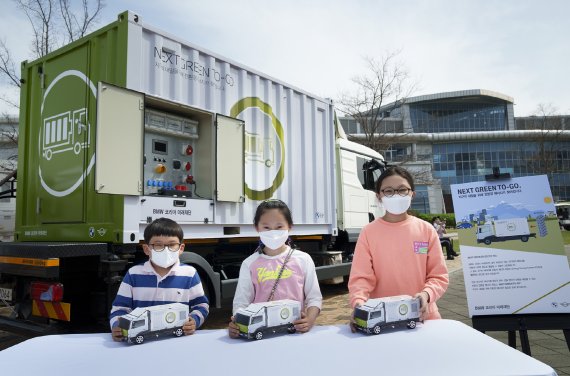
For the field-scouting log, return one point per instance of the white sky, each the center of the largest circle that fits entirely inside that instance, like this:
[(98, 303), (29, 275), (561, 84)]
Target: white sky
[(516, 47)]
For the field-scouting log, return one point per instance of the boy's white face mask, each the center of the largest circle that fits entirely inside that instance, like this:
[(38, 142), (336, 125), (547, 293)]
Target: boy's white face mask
[(274, 239), (396, 204), (164, 259)]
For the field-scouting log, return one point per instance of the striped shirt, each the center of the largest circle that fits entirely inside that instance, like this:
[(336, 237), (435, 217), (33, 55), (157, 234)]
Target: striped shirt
[(143, 287)]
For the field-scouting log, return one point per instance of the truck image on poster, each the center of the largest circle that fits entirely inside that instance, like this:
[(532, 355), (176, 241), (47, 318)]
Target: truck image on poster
[(257, 319), (393, 311), (504, 229), (152, 322)]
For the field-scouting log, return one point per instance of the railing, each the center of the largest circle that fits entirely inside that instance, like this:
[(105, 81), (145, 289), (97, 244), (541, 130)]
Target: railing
[(10, 181)]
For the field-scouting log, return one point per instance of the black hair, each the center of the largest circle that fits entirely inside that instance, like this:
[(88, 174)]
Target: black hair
[(273, 204), (396, 170), (163, 227)]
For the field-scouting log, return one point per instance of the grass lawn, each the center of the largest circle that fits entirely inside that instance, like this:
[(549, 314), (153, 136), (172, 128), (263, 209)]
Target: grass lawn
[(566, 237)]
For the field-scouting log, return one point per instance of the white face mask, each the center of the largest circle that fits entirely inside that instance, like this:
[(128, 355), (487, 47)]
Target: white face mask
[(274, 239), (396, 204), (164, 259)]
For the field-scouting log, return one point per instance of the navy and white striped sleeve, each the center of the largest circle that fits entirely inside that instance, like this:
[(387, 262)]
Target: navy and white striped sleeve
[(199, 307), (123, 302)]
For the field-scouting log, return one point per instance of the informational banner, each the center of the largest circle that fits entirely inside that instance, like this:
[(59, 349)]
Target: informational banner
[(511, 247)]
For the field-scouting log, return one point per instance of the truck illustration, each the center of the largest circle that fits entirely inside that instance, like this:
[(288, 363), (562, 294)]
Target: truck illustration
[(152, 322), (62, 133), (259, 149), (257, 319), (393, 311), (501, 230)]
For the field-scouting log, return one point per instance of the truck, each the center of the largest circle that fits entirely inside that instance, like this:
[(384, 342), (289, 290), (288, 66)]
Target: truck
[(146, 322), (500, 230), (131, 123), (257, 319), (392, 311)]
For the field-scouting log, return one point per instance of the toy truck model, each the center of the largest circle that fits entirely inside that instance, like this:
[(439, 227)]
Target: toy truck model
[(257, 319), (130, 124), (391, 311), (504, 229), (563, 214), (154, 321)]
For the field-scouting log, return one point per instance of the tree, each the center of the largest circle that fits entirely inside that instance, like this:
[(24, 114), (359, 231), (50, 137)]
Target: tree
[(548, 128), (54, 23), (387, 81)]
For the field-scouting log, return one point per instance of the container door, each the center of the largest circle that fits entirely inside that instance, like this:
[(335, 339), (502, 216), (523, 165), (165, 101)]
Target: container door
[(65, 136), (230, 169), (119, 151)]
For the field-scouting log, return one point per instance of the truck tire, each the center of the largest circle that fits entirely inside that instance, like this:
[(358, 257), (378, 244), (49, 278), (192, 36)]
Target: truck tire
[(258, 335), (291, 329), (412, 324), (178, 332), (377, 329), (139, 339), (487, 241), (524, 238), (567, 227)]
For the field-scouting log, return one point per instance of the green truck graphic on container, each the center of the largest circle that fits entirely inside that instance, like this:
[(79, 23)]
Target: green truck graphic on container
[(393, 311)]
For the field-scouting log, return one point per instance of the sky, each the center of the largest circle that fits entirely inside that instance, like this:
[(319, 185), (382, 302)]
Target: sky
[(515, 47)]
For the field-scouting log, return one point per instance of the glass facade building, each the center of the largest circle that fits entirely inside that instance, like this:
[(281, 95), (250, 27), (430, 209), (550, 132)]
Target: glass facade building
[(463, 135)]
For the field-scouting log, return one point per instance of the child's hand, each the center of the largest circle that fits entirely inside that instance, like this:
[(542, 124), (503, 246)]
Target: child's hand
[(351, 323), (189, 326), (424, 304), (117, 334), (305, 323), (233, 329)]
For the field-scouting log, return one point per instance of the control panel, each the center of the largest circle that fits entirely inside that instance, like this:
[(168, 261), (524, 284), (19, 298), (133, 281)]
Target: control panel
[(170, 144)]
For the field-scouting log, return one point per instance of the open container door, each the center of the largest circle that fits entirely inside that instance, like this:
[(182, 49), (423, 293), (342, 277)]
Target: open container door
[(119, 147), (230, 170)]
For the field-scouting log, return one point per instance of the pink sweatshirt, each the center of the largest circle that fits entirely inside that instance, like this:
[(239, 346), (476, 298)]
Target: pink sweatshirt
[(401, 258)]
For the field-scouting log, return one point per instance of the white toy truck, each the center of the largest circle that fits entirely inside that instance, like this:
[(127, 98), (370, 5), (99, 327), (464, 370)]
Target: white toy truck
[(504, 229), (391, 311), (271, 317), (154, 321)]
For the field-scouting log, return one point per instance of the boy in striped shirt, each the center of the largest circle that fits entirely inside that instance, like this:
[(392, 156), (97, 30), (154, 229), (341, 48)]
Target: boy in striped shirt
[(162, 279)]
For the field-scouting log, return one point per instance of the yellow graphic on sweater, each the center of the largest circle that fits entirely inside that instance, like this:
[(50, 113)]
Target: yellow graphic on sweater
[(264, 274)]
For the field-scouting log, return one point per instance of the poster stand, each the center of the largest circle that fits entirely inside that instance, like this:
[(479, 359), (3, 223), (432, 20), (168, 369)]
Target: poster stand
[(521, 322)]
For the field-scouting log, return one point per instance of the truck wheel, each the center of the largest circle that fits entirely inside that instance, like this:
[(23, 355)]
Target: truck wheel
[(524, 238), (567, 227), (178, 332), (258, 335), (291, 329), (139, 340), (412, 324), (487, 241), (377, 329)]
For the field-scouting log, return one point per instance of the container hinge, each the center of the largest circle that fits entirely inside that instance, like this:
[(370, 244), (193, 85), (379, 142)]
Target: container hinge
[(141, 105)]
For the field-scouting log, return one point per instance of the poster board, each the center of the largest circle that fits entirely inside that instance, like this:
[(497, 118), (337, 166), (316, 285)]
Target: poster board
[(511, 246)]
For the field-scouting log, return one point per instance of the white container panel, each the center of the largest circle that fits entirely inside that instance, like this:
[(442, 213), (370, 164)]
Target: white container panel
[(288, 131)]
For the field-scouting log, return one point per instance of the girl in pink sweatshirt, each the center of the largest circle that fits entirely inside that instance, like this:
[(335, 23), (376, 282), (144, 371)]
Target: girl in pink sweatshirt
[(398, 254)]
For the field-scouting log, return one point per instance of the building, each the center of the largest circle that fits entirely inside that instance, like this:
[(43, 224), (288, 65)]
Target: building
[(458, 137)]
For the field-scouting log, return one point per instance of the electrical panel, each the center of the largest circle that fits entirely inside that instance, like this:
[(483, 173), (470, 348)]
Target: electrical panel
[(170, 143)]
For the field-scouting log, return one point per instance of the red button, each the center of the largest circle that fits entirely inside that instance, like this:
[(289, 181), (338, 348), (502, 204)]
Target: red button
[(188, 166), (190, 179), (189, 150)]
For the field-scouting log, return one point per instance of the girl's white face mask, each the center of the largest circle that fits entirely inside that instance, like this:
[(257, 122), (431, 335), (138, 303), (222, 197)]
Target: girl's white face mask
[(164, 259), (396, 204), (274, 239)]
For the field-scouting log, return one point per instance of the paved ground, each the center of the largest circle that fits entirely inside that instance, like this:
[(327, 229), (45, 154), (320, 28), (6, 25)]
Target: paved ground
[(546, 346)]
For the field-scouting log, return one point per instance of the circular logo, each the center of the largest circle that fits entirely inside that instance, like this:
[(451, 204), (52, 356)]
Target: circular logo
[(170, 317), (511, 227), (403, 309), (285, 313), (264, 147), (65, 138)]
